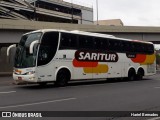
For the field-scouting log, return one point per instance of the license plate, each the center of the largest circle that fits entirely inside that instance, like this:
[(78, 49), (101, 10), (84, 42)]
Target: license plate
[(19, 78)]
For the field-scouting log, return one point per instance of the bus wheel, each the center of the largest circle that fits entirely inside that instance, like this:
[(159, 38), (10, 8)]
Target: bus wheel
[(63, 77), (140, 74), (131, 75)]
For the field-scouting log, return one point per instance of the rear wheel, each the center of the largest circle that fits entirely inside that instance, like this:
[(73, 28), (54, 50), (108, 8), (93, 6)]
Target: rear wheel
[(140, 74), (63, 77), (131, 75)]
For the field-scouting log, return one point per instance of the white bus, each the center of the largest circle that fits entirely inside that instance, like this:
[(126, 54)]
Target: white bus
[(59, 56)]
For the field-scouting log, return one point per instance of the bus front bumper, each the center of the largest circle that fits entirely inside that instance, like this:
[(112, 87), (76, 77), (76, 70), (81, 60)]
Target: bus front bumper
[(25, 78)]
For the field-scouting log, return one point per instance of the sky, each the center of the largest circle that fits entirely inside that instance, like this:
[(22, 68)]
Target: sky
[(131, 12)]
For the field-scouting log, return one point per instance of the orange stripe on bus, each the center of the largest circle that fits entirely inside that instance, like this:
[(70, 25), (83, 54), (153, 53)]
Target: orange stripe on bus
[(149, 59), (101, 68), (140, 58), (84, 64)]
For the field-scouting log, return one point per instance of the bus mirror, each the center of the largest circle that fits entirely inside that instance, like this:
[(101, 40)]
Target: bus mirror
[(8, 49), (32, 46)]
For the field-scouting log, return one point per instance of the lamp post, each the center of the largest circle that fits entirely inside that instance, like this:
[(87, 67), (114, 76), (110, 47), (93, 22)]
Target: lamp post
[(72, 10), (97, 10)]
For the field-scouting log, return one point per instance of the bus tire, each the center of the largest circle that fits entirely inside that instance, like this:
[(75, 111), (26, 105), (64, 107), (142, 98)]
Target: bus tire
[(63, 76), (131, 74), (140, 74)]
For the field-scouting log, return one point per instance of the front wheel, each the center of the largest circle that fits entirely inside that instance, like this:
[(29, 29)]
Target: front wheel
[(63, 77)]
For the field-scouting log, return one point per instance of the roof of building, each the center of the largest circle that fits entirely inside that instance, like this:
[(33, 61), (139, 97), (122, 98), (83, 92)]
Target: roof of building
[(34, 25), (110, 22)]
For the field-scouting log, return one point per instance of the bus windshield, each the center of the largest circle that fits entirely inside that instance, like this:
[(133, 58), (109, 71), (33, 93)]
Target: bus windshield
[(23, 58)]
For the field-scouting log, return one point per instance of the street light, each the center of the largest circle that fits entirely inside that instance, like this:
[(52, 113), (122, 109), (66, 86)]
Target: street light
[(72, 10), (97, 10)]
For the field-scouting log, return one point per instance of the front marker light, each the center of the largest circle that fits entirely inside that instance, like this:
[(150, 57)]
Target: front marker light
[(32, 78), (30, 73)]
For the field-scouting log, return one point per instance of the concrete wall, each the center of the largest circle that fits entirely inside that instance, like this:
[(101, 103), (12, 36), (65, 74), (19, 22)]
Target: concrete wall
[(87, 16), (10, 36), (4, 66)]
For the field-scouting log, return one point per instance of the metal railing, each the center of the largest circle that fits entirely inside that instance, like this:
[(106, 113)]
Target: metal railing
[(80, 3)]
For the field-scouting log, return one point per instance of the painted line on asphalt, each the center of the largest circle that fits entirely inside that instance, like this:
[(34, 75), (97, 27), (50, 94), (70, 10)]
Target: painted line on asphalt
[(157, 87), (157, 118), (7, 92), (38, 103)]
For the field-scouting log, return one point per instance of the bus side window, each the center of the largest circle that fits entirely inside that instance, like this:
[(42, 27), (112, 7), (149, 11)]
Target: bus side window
[(68, 41), (97, 43), (104, 44), (63, 41), (117, 45), (101, 43), (126, 46), (121, 47), (112, 45), (48, 47), (139, 48), (132, 47), (73, 43), (149, 48), (85, 42)]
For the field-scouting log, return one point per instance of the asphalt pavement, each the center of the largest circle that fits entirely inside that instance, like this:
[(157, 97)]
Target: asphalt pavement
[(94, 97)]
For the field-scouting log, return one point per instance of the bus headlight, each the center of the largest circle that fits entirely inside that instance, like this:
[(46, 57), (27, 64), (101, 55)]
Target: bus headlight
[(32, 78), (30, 73)]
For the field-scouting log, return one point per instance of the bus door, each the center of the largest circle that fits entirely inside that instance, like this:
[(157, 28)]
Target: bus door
[(46, 54)]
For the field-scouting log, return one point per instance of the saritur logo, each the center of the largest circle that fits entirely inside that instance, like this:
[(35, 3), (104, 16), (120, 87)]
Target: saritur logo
[(96, 56)]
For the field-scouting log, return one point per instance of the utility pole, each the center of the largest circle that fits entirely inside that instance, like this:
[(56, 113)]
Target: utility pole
[(97, 11), (35, 10), (72, 9)]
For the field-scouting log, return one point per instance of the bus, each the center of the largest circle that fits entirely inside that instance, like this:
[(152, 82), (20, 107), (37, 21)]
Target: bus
[(58, 56)]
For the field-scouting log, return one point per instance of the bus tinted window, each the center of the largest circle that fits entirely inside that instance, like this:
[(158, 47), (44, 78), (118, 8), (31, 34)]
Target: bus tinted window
[(143, 48), (68, 41), (126, 46), (48, 47), (114, 45), (100, 43), (74, 41), (85, 42), (150, 48)]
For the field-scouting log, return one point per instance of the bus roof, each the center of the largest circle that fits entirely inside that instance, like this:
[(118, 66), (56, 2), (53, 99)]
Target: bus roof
[(88, 34)]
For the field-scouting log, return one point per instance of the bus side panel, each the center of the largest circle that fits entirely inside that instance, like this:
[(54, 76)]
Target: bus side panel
[(67, 58), (115, 70), (46, 72)]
